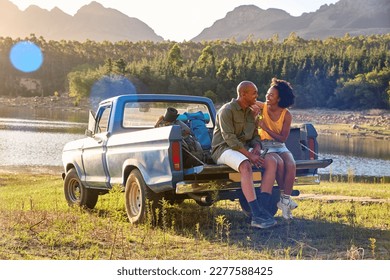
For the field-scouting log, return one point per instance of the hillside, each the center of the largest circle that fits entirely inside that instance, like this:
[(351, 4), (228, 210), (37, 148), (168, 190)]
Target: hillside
[(356, 17), (92, 21)]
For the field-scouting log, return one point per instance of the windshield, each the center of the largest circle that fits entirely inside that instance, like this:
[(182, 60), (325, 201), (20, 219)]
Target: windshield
[(146, 114)]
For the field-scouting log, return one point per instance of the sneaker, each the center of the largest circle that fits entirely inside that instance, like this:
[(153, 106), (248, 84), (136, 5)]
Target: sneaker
[(259, 222), (286, 204), (286, 211), (288, 201)]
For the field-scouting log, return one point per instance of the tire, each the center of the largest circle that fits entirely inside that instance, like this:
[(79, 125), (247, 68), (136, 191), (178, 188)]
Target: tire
[(76, 193), (272, 209), (137, 193)]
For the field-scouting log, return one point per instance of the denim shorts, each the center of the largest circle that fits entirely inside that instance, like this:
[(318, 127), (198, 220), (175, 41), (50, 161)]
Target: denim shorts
[(274, 146)]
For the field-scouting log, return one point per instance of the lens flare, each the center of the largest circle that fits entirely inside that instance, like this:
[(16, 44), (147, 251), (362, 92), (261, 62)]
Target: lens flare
[(110, 86), (26, 56)]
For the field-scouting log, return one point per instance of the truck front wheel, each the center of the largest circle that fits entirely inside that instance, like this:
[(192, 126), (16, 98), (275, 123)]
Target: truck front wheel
[(76, 193), (138, 197)]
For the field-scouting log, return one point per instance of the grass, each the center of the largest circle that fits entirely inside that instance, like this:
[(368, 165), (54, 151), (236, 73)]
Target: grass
[(376, 191), (36, 223)]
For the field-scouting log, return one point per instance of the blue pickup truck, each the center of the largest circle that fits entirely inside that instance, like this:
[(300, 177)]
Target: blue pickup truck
[(124, 147)]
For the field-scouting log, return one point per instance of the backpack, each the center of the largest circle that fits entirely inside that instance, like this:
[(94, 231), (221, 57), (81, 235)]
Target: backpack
[(192, 151), (197, 124)]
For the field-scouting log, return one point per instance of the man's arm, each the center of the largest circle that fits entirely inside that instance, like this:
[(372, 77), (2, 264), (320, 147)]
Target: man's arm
[(226, 124)]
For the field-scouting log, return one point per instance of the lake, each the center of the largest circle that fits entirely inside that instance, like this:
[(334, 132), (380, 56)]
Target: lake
[(34, 137)]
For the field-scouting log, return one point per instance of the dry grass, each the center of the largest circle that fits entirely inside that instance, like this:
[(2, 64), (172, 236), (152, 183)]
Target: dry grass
[(36, 223)]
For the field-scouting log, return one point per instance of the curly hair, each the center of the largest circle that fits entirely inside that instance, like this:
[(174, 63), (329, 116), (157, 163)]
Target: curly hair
[(285, 91)]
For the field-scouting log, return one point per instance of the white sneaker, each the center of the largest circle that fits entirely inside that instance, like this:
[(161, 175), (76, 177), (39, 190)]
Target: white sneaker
[(286, 204)]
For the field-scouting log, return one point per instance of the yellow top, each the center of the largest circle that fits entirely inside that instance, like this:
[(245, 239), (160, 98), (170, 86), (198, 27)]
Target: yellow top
[(275, 126)]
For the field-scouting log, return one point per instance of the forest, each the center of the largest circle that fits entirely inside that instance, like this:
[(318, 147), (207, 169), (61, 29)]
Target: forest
[(348, 73)]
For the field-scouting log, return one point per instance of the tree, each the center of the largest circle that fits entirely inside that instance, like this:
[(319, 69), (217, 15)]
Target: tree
[(175, 59), (206, 62)]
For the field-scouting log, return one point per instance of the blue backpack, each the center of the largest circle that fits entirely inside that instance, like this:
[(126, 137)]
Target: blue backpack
[(197, 124)]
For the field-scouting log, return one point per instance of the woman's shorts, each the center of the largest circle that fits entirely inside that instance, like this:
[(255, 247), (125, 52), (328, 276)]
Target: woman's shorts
[(232, 158), (274, 146)]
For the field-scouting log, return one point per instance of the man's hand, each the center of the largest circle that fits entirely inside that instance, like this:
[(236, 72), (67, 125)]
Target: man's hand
[(256, 150), (256, 159)]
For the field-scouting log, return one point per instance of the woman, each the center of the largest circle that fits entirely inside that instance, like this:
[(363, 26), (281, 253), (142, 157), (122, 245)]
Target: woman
[(274, 128)]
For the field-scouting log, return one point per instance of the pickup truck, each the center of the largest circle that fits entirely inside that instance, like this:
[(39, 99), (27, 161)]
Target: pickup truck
[(124, 147)]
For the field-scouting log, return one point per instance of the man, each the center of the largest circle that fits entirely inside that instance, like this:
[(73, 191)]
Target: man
[(236, 143)]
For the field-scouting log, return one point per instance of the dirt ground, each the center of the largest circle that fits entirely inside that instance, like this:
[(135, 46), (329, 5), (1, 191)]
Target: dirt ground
[(373, 117)]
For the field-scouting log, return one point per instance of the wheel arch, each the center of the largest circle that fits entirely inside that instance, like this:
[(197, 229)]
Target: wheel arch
[(128, 166), (76, 167)]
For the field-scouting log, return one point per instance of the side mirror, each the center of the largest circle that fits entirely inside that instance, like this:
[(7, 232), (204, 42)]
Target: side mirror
[(90, 131)]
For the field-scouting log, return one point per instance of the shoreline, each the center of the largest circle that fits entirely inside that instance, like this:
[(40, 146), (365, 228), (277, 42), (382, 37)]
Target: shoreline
[(363, 123)]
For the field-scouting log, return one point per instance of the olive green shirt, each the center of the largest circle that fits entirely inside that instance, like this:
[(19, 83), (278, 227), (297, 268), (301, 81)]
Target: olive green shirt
[(235, 128)]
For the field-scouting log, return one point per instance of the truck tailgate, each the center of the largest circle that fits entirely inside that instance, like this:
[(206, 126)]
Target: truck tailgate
[(211, 177), (222, 168)]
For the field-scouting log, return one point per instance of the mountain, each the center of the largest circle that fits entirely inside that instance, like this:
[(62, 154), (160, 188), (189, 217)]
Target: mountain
[(92, 21), (356, 17), (97, 23)]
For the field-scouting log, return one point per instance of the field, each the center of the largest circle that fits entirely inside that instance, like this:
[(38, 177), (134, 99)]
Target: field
[(336, 220)]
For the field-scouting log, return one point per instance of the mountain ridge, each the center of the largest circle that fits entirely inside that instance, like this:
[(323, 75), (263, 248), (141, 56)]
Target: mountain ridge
[(95, 22), (92, 22), (356, 17)]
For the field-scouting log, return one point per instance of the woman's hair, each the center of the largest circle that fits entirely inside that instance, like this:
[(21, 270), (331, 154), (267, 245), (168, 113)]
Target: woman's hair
[(285, 91)]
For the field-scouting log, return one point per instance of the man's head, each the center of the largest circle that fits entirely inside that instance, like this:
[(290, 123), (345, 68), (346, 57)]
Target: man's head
[(247, 93)]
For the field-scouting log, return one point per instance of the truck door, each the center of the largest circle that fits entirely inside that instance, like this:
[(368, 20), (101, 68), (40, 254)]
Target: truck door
[(94, 159)]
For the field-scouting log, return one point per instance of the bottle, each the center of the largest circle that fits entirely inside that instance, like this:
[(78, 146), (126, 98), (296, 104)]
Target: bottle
[(259, 119), (264, 152), (260, 115)]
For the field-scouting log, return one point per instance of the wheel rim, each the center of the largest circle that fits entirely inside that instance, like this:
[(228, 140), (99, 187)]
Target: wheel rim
[(75, 190), (135, 200)]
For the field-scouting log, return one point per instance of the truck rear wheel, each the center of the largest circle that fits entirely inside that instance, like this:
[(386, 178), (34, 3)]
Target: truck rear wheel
[(76, 193), (137, 195)]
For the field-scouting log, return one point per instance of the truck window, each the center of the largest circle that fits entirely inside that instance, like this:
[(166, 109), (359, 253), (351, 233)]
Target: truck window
[(102, 125), (146, 114)]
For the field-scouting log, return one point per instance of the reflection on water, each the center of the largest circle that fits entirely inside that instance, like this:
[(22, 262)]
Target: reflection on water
[(356, 166), (42, 126), (355, 156), (26, 148), (360, 147), (31, 113)]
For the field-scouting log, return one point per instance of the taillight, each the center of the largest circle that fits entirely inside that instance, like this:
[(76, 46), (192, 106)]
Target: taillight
[(311, 148), (176, 156)]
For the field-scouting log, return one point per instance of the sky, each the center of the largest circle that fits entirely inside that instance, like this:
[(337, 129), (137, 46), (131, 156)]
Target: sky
[(178, 20)]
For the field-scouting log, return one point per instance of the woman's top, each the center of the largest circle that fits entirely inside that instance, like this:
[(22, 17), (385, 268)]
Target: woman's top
[(275, 126)]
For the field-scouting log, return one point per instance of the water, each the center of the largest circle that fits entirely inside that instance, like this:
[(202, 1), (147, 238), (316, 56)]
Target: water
[(38, 141), (355, 156), (26, 148)]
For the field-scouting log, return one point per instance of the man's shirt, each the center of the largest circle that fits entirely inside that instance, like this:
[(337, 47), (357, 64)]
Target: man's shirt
[(235, 128)]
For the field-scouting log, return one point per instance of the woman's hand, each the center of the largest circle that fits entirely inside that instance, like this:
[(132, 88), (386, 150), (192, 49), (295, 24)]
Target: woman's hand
[(255, 108), (262, 125)]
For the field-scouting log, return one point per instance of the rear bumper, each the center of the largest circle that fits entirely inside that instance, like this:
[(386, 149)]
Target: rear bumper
[(200, 186)]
